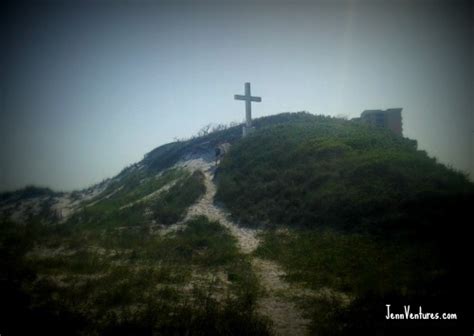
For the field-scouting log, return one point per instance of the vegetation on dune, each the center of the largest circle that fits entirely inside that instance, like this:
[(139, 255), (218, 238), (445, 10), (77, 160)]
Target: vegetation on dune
[(171, 206), (27, 192), (204, 143), (319, 170), (365, 214), (356, 214), (370, 272), (105, 272), (132, 187), (129, 201), (162, 285)]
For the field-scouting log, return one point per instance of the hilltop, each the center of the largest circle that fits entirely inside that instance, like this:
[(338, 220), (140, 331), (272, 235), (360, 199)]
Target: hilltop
[(50, 205), (306, 160)]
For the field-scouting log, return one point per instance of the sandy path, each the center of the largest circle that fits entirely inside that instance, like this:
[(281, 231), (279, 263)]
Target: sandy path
[(276, 304), (247, 238), (287, 318)]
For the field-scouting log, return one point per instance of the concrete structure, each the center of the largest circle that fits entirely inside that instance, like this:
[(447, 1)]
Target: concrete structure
[(247, 97), (390, 118)]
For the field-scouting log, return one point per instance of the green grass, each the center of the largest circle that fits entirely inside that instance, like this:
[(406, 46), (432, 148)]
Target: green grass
[(371, 272), (127, 208), (351, 263), (202, 243), (326, 171), (369, 216), (171, 206), (127, 282), (131, 188)]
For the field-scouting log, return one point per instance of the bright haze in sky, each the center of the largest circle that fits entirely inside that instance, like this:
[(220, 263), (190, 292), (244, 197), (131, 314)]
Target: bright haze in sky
[(88, 88)]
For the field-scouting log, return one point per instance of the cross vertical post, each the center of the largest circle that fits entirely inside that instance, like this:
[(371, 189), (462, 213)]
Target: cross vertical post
[(248, 106), (248, 98)]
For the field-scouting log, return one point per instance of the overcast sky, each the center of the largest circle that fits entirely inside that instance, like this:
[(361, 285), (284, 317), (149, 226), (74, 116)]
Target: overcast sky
[(87, 89)]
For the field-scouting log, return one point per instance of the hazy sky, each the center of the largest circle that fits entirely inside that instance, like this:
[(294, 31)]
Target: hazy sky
[(89, 88)]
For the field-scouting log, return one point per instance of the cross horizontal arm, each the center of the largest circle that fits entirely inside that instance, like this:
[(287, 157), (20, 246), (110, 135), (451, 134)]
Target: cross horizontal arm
[(251, 98)]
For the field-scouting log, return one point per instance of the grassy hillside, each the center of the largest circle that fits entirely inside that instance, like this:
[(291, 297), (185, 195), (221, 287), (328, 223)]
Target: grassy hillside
[(109, 271), (106, 272), (317, 171), (360, 212), (127, 282), (128, 202)]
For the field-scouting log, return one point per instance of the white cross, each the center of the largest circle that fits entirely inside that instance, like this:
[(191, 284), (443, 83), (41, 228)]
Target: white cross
[(248, 100)]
